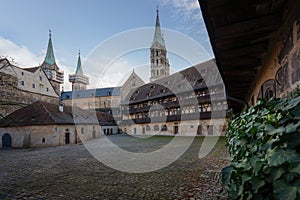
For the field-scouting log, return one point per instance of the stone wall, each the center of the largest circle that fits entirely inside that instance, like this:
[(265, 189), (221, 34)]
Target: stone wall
[(280, 71), (213, 127), (50, 135)]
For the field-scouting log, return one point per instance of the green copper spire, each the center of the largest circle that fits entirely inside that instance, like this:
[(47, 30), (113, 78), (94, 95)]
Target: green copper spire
[(49, 59), (79, 67), (157, 34)]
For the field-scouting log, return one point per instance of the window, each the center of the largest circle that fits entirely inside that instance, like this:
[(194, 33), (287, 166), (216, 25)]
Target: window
[(47, 89), (33, 85), (148, 128), (43, 140), (134, 131), (41, 78), (33, 117), (156, 128), (164, 128), (22, 73), (22, 83), (82, 130)]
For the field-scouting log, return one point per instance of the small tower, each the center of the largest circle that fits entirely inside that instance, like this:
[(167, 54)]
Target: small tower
[(78, 80), (160, 66), (52, 71)]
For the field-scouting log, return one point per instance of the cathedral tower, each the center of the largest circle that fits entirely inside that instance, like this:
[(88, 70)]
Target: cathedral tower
[(160, 66), (78, 80), (52, 71)]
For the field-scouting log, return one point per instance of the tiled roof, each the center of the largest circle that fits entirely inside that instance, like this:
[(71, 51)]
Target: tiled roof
[(31, 69), (43, 113), (99, 92), (180, 82)]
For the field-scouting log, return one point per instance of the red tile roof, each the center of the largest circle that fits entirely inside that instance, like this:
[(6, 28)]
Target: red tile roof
[(43, 113)]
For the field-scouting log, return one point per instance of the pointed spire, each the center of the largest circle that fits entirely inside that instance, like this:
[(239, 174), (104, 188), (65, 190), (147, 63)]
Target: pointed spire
[(50, 59), (158, 37), (79, 67)]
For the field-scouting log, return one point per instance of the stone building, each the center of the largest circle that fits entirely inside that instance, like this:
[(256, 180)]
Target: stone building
[(54, 74), (160, 66), (103, 99), (22, 86), (43, 124), (79, 80), (257, 47), (189, 102)]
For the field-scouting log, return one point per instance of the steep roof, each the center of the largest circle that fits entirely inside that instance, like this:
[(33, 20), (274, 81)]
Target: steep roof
[(32, 69), (98, 92), (50, 59), (158, 37), (79, 66), (192, 78), (43, 113)]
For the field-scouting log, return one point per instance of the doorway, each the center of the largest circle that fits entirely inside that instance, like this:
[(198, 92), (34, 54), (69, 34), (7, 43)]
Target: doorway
[(67, 138), (6, 140), (175, 129), (199, 130)]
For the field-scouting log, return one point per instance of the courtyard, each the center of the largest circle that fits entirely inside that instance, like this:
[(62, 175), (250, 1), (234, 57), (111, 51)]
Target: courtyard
[(71, 172)]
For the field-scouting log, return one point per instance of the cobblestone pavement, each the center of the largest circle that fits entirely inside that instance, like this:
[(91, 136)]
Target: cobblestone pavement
[(70, 172)]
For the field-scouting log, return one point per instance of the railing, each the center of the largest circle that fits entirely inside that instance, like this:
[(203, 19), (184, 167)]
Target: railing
[(172, 118)]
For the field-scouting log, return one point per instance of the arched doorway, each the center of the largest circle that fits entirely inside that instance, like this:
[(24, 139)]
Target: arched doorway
[(6, 140)]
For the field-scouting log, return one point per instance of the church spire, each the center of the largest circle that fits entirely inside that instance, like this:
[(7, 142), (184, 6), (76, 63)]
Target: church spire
[(79, 67), (50, 59), (158, 37)]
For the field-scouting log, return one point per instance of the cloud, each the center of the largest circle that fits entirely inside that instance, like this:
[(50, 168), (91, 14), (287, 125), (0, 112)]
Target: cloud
[(188, 9), (22, 57), (20, 54)]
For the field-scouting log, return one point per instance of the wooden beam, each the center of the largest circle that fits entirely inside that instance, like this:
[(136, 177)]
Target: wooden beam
[(264, 24)]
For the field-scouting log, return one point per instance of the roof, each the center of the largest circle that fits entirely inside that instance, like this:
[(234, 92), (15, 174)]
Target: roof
[(32, 69), (192, 78), (98, 92), (158, 38), (43, 113), (50, 59), (79, 66), (239, 33)]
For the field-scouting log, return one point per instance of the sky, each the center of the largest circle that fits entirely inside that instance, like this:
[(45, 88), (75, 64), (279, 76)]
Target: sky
[(88, 25)]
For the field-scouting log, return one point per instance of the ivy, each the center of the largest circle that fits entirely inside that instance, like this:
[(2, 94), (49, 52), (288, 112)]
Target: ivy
[(264, 143)]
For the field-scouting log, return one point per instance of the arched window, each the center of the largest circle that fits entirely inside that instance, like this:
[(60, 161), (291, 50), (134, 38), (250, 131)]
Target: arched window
[(156, 128), (164, 127), (269, 93), (148, 128)]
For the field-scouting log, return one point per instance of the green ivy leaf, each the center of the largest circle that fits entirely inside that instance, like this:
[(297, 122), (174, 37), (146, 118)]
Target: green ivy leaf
[(290, 128), (296, 112), (295, 167), (256, 184), (284, 191), (276, 131), (276, 173), (226, 175), (279, 156)]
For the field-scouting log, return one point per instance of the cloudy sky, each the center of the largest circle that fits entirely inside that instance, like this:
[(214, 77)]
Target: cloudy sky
[(89, 25)]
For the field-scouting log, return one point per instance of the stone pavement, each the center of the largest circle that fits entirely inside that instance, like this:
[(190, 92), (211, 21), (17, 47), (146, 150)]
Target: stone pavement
[(70, 172)]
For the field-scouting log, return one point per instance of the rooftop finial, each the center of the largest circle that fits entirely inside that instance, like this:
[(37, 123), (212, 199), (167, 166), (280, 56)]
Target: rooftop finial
[(157, 9), (50, 33), (79, 52)]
